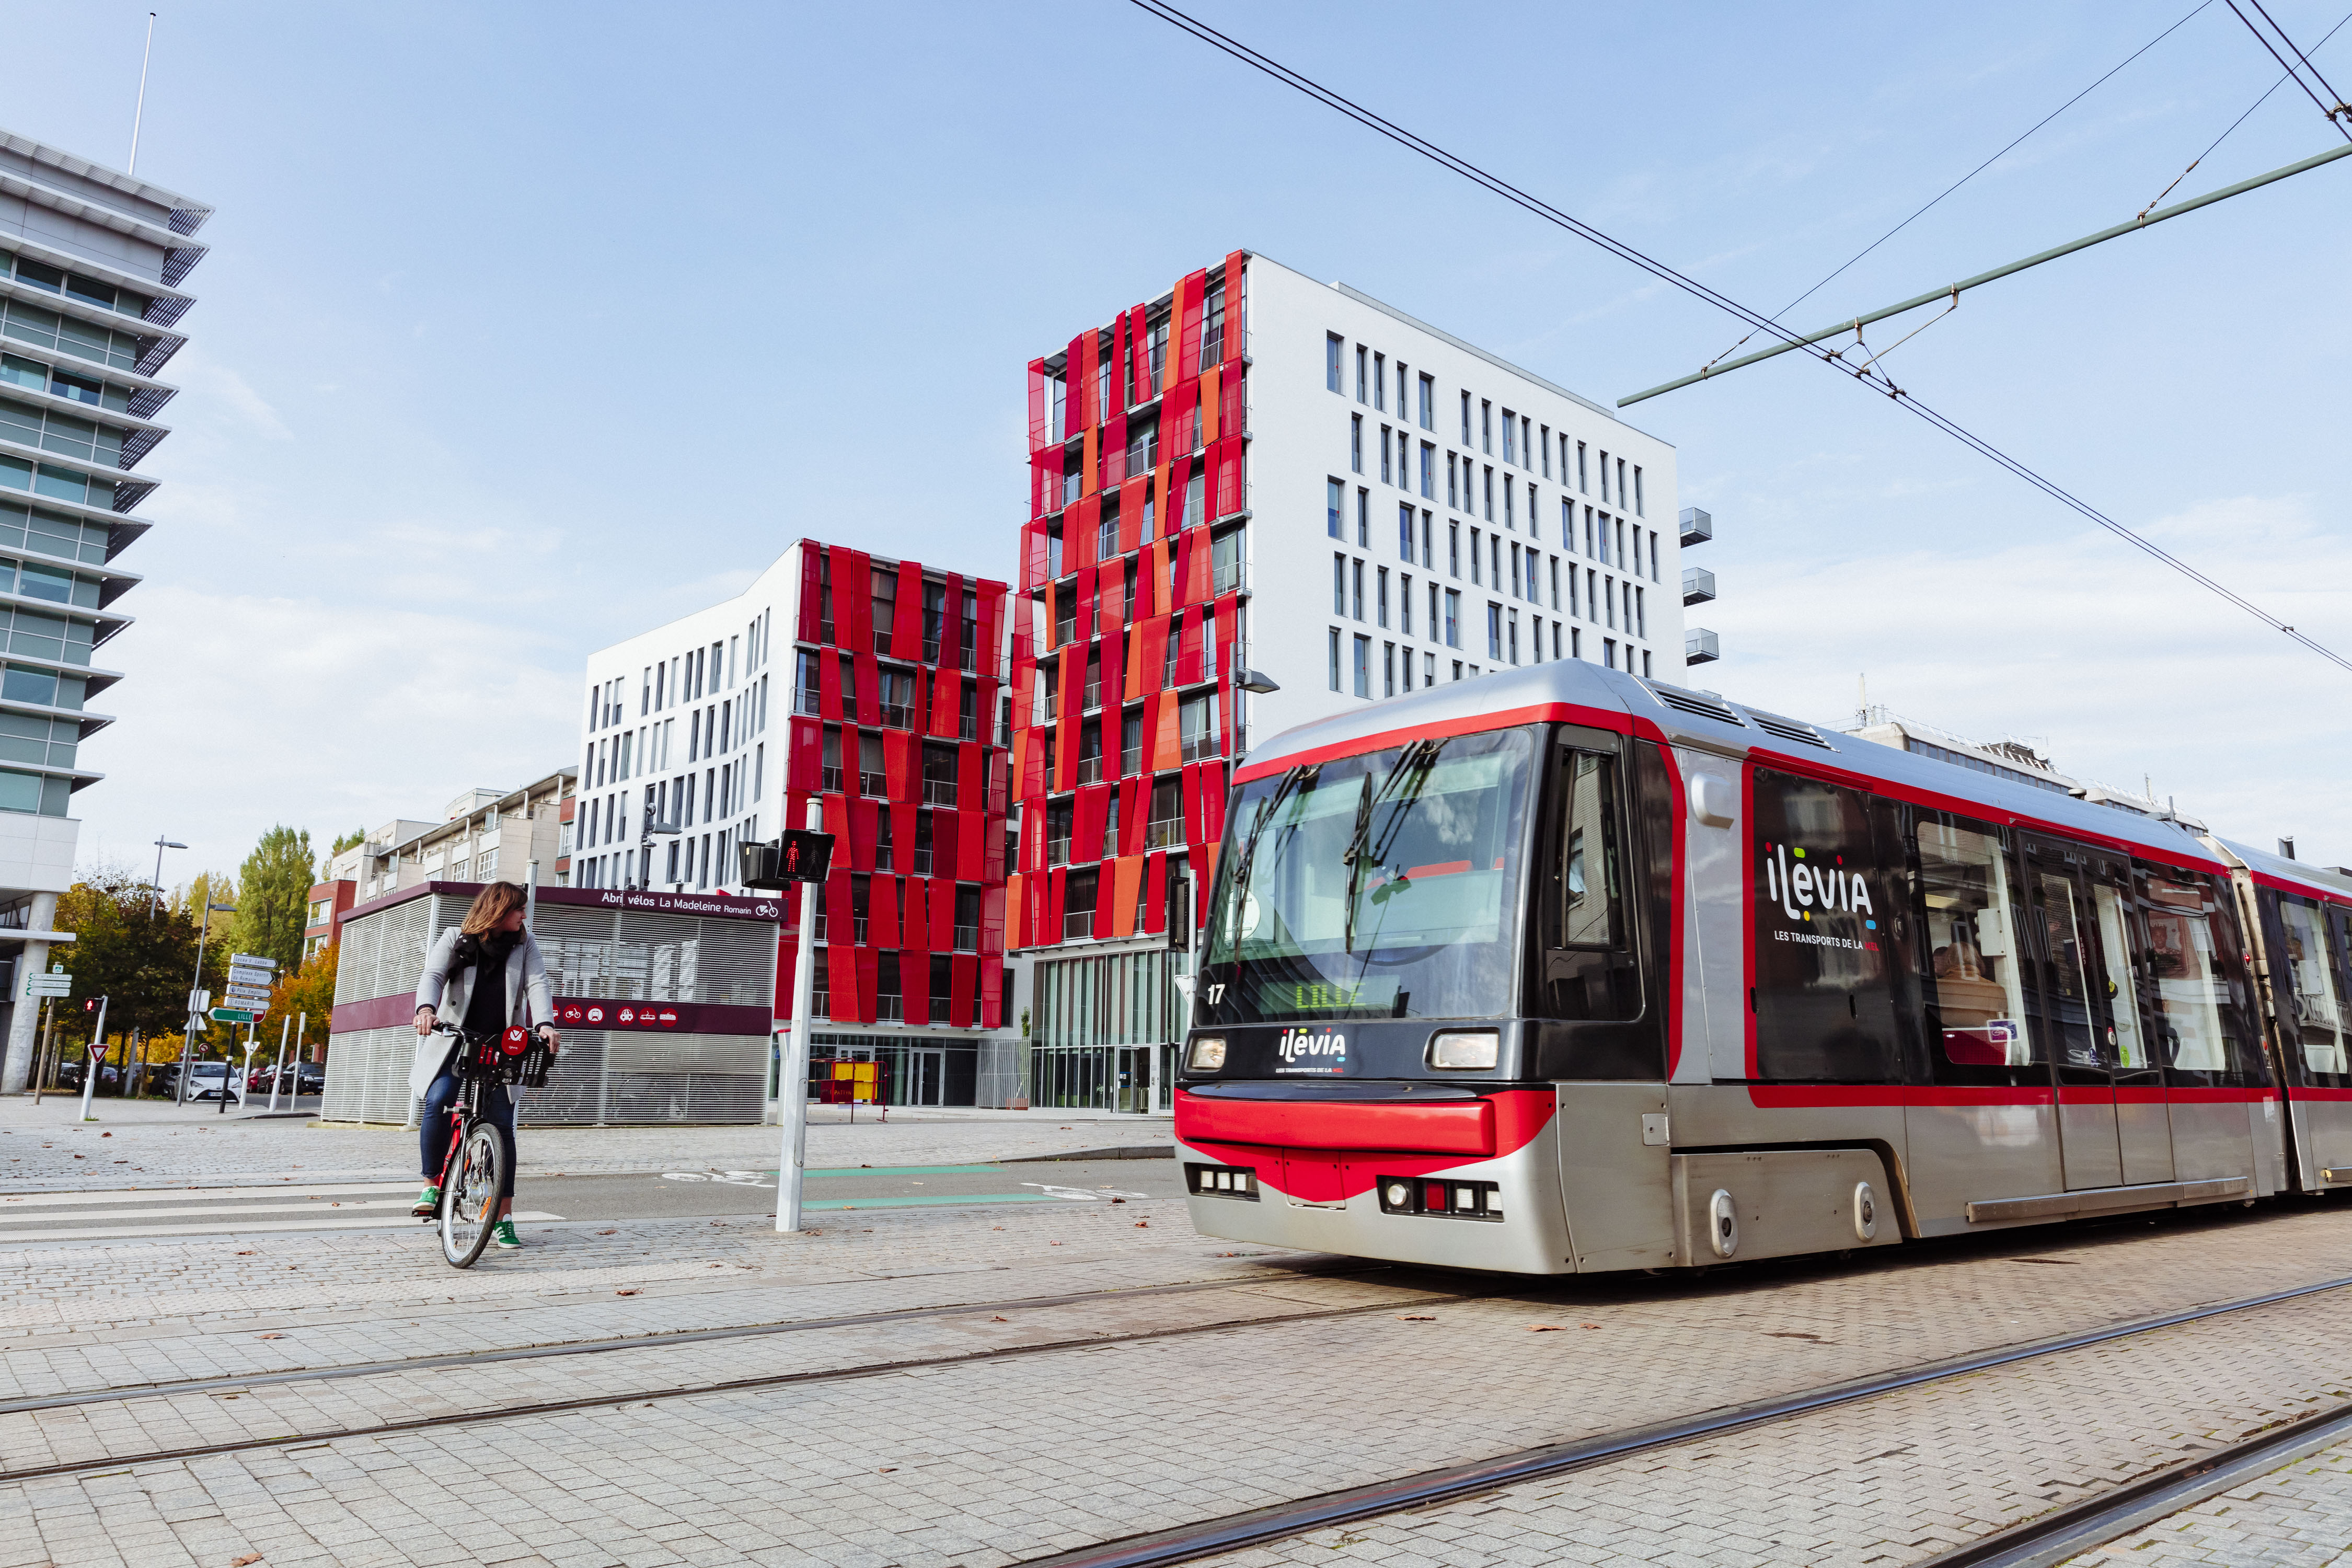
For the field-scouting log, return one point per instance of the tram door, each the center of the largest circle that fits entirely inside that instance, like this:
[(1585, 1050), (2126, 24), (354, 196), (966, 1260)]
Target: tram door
[(2143, 1117), (2074, 1016)]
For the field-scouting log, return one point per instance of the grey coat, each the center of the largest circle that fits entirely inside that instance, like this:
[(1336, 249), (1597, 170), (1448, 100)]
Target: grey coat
[(446, 993)]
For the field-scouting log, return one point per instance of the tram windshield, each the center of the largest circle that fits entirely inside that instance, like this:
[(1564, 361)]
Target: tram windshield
[(1385, 885)]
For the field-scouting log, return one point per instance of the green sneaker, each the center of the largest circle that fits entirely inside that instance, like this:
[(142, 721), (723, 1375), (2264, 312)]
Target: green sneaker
[(428, 1202), (504, 1235)]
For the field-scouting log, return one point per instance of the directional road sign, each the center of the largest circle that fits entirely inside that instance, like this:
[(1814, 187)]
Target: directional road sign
[(248, 993), (48, 985), (231, 1016), (253, 958), (261, 977)]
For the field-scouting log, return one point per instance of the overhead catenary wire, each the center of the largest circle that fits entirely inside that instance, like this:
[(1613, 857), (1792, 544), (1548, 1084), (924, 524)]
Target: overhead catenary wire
[(1972, 174), (2234, 125), (1659, 269), (2320, 103), (2308, 64)]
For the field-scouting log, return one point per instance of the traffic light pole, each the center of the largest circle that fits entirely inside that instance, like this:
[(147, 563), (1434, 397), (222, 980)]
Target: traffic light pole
[(96, 1054), (791, 1077)]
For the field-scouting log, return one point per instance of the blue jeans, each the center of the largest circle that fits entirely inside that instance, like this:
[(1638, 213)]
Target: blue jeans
[(433, 1130)]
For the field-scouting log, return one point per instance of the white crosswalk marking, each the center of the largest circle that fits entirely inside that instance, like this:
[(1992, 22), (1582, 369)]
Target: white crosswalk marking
[(190, 1194), (33, 1217), (230, 1226)]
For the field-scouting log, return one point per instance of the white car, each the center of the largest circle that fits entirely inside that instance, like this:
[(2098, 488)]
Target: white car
[(206, 1081)]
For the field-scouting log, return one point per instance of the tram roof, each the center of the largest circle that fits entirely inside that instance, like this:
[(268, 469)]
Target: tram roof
[(1577, 692), (2317, 879)]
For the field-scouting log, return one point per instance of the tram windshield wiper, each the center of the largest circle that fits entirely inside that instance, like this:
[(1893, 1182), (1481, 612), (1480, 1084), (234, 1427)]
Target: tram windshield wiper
[(1421, 758)]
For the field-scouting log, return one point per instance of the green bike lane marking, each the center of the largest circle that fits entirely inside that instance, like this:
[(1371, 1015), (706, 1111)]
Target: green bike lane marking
[(933, 1202)]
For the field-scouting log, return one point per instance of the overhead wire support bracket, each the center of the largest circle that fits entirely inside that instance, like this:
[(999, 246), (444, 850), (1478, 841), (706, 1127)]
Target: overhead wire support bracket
[(1954, 290)]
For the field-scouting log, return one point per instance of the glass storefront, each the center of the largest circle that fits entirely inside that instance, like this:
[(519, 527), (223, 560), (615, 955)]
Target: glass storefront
[(1105, 1030)]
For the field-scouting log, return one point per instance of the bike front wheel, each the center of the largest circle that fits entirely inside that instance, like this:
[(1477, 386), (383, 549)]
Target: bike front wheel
[(469, 1201)]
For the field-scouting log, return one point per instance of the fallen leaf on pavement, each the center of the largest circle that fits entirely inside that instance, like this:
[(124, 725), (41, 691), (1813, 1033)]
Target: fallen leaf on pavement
[(272, 1336), (1545, 1328), (607, 1233), (1588, 1325), (1415, 1318), (246, 1561), (245, 1255), (1143, 1225), (1000, 1320), (624, 1292)]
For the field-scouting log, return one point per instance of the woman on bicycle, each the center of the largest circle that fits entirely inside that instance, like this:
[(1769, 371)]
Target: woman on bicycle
[(489, 972)]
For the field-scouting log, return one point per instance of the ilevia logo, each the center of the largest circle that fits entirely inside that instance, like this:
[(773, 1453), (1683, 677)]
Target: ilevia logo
[(1800, 884), (1306, 1050)]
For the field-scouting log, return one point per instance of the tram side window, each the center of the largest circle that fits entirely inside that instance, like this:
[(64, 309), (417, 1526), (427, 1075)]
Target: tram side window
[(1592, 902), (2315, 991), (1976, 992), (2198, 1024), (1827, 875)]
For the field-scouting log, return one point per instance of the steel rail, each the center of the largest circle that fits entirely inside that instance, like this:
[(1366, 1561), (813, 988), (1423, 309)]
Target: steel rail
[(1954, 290), (117, 1393), (120, 1462), (1231, 1533)]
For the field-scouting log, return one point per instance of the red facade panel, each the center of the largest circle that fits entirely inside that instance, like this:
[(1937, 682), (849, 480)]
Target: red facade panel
[(1057, 888), (1188, 648), (788, 957), (1114, 452), (971, 853), (861, 834), (1212, 802), (1126, 877), (805, 762), (1082, 618), (1193, 292), (853, 600), (811, 589), (992, 612), (828, 684), (993, 1000), (1134, 801), (869, 691), (841, 983), (1211, 380), (960, 990), (1040, 409), (1017, 909), (1155, 894), (865, 968), (839, 909), (1168, 750), (992, 922), (907, 630), (898, 770), (902, 832), (882, 913), (1191, 784), (992, 849), (1226, 496), (1140, 328), (1088, 813), (942, 911)]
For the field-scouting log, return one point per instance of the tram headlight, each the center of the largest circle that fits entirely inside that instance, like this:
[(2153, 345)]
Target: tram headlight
[(1206, 1053), (1464, 1050)]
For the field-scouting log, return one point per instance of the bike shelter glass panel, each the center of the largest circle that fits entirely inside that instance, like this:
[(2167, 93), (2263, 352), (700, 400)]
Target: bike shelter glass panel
[(1383, 885), (1827, 893), (1976, 987)]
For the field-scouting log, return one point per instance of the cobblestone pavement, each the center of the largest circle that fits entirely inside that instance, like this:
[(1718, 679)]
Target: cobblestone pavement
[(44, 1147), (987, 1462), (2298, 1516)]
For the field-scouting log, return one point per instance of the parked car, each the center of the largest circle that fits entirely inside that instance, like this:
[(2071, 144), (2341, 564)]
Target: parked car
[(69, 1075), (300, 1077), (207, 1080)]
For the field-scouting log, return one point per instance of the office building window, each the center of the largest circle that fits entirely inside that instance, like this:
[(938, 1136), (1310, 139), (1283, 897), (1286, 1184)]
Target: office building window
[(1381, 383), (1363, 665), (1363, 378), (1567, 523), (1494, 631), (1512, 622), (1356, 443), (1477, 559), (1428, 471), (1490, 495), (1609, 652), (1604, 478), (1334, 497), (1527, 452), (1609, 599), (1620, 506), (1580, 465), (1333, 348), (1381, 597), (1653, 555), (1338, 585), (1510, 517), (1555, 581), (1638, 509), (1404, 533), (1452, 496), (1388, 670), (1407, 661), (1575, 642), (1457, 670), (1453, 548), (1425, 557), (1544, 440), (1645, 664), (1405, 604), (1357, 574), (1428, 410), (1510, 437), (1486, 427), (1642, 613), (1432, 610), (1466, 419), (1453, 617), (1385, 477), (1335, 658), (1364, 519)]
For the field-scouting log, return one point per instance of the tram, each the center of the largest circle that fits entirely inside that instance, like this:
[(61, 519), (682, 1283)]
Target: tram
[(1561, 971)]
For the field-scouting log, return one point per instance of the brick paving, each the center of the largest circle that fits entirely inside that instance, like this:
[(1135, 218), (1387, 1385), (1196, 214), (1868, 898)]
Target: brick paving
[(984, 1463), (2298, 1516)]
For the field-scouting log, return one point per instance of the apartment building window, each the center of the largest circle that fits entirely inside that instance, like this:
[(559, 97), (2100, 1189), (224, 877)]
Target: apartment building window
[(1555, 581), (1592, 595), (1510, 437), (1485, 427), (1567, 523), (1645, 664), (1477, 560), (1466, 419), (829, 776), (1338, 585), (1642, 613), (1576, 642), (1510, 517), (1604, 478), (1334, 346), (1425, 559), (1453, 617), (1059, 430), (1432, 610), (806, 683), (1454, 548), (1381, 597), (1381, 383), (1364, 356), (1609, 599), (1404, 533), (1405, 604), (1400, 389), (1609, 652), (1428, 471), (1490, 493), (1364, 519), (1334, 497), (1457, 670), (1603, 555), (1495, 559), (1580, 466), (1388, 670), (1131, 744), (1363, 664), (1638, 509), (871, 779), (1428, 409), (1527, 450), (1386, 477), (1495, 631), (1357, 574), (1335, 658), (1653, 555), (1546, 443), (1628, 562), (1408, 670), (1621, 483), (1356, 443)]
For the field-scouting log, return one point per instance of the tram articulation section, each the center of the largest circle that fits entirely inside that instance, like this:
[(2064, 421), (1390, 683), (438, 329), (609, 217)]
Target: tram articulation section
[(1566, 971)]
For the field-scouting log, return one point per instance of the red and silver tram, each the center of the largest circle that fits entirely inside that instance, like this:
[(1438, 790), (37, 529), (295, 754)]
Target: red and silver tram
[(1560, 970)]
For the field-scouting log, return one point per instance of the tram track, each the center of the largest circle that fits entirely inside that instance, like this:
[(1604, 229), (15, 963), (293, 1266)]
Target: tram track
[(2023, 1546)]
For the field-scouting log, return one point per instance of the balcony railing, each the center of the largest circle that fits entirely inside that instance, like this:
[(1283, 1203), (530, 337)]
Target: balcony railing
[(964, 658), (858, 930), (807, 702), (888, 1007), (1231, 577), (1065, 632), (1197, 747), (897, 715), (1698, 526), (1699, 584), (821, 1003), (967, 938), (825, 631), (967, 728), (881, 642), (875, 784), (1699, 646), (922, 866), (1093, 694), (1130, 761), (940, 792), (1057, 851), (1077, 925), (931, 650), (829, 779), (1090, 770), (1164, 833)]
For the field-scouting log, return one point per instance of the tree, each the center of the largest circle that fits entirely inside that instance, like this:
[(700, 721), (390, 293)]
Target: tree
[(142, 964), (274, 897), (351, 841)]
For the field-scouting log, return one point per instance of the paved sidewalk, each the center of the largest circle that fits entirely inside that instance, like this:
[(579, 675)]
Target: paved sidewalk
[(2298, 1516), (45, 1148)]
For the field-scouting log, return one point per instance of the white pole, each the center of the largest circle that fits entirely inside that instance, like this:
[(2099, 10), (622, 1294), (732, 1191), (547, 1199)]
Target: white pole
[(136, 116), (96, 1054), (285, 1026), (791, 1078)]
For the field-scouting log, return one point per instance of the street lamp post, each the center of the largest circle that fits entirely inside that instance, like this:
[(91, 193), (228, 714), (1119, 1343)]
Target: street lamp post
[(155, 888), (188, 1047)]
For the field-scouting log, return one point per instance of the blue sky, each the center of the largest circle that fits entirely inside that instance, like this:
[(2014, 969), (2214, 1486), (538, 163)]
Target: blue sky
[(527, 328)]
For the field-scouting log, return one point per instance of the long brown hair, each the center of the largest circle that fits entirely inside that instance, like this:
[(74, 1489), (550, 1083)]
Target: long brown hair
[(491, 905)]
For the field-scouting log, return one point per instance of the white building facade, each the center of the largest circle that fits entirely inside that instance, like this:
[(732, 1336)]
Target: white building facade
[(1255, 479), (91, 263)]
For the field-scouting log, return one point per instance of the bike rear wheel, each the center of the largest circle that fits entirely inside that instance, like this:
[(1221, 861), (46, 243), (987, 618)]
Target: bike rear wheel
[(469, 1199)]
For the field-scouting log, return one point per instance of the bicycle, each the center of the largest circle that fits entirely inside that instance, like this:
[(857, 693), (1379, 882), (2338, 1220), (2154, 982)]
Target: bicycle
[(481, 1152)]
